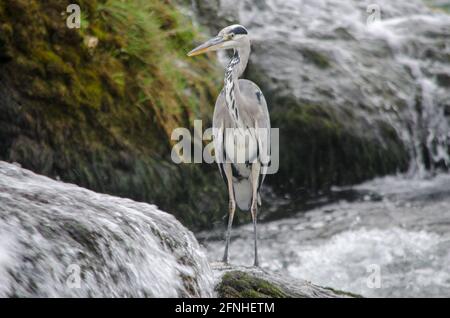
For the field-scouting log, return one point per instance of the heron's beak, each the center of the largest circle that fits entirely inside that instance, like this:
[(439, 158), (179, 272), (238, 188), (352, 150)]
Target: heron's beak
[(210, 45)]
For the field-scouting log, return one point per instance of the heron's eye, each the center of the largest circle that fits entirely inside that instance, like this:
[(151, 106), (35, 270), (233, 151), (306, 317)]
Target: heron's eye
[(231, 36)]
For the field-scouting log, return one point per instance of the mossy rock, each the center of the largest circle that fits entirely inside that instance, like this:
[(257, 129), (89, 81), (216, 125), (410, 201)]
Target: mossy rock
[(101, 116), (319, 149), (317, 58), (238, 284), (250, 282)]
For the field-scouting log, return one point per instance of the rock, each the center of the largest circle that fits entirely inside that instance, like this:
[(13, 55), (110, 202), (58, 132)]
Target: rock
[(251, 282), (78, 103), (60, 240)]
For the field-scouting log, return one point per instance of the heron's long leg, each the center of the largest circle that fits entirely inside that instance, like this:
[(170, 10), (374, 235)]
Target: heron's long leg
[(256, 167), (231, 207)]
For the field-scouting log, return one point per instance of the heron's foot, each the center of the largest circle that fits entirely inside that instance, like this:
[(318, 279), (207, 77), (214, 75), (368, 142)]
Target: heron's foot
[(256, 263)]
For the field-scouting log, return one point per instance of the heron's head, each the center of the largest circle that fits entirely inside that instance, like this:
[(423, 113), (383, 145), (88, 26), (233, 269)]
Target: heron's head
[(231, 37)]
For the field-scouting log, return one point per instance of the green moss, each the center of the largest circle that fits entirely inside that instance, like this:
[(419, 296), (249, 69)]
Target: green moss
[(237, 284), (317, 58), (5, 38), (329, 151), (104, 114), (439, 6), (241, 284)]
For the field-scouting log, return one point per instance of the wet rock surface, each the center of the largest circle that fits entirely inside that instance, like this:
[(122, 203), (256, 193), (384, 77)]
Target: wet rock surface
[(234, 281)]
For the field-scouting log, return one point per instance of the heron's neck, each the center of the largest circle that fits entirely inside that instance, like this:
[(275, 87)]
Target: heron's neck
[(234, 70), (244, 54)]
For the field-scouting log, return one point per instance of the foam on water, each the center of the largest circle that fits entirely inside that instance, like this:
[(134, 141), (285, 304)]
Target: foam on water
[(349, 261), (7, 259)]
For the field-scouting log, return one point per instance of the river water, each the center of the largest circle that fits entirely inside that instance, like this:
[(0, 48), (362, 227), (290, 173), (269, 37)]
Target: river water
[(391, 240)]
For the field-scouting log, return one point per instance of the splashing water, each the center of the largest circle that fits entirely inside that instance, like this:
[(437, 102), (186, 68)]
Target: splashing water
[(424, 126), (60, 240), (398, 228)]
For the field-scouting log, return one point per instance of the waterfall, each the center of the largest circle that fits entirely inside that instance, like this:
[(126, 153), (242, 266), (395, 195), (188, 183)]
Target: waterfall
[(60, 240), (423, 125)]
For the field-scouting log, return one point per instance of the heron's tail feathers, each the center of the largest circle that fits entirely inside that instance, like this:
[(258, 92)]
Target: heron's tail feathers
[(243, 194)]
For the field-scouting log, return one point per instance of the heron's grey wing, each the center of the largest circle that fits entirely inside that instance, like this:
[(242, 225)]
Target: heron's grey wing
[(219, 117), (256, 107)]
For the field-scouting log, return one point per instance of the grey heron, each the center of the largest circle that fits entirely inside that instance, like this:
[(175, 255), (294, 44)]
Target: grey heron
[(240, 114)]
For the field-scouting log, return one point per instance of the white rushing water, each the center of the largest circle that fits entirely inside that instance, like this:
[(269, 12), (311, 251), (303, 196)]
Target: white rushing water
[(399, 228), (60, 240)]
